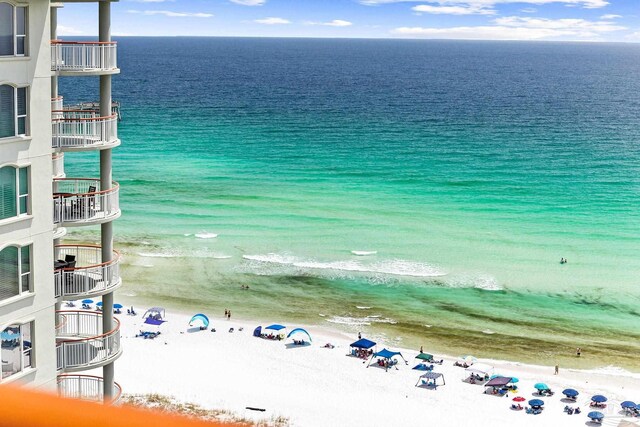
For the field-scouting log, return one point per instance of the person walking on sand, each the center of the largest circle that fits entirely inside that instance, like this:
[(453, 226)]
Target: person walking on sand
[(229, 315), (359, 335), (557, 371), (225, 312), (421, 350), (578, 351)]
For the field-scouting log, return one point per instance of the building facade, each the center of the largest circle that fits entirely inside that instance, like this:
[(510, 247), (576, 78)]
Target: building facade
[(49, 339)]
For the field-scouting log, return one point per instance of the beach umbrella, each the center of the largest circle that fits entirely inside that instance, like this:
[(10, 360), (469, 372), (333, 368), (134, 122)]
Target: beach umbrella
[(569, 392), (627, 404), (99, 304), (7, 336), (536, 402), (469, 359), (117, 306), (519, 399), (87, 301), (598, 398), (541, 386), (514, 380), (595, 415), (638, 406)]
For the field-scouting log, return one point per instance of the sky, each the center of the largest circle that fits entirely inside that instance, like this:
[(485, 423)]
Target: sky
[(560, 20)]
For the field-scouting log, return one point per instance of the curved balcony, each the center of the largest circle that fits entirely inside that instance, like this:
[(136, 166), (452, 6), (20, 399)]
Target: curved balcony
[(81, 344), (56, 103), (84, 58), (79, 201), (78, 130), (57, 161), (86, 275), (86, 387)]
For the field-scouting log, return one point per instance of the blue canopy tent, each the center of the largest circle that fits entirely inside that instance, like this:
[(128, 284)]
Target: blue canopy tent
[(388, 356), (156, 313), (200, 319), (363, 343), (299, 331), (423, 380), (257, 332), (152, 321), (276, 327)]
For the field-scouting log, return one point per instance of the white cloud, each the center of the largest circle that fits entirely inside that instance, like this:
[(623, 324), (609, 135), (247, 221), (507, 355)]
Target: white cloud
[(334, 23), (610, 16), (453, 10), (518, 28), (633, 36), (588, 4), (63, 30), (272, 21), (249, 2), (529, 10), (173, 14)]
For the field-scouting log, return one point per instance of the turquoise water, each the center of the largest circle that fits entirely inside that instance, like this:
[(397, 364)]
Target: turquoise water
[(469, 168)]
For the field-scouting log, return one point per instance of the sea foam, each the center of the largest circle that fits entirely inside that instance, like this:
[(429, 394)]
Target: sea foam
[(396, 267), (206, 235)]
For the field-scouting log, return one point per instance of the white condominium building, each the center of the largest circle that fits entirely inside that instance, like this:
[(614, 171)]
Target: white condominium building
[(48, 339)]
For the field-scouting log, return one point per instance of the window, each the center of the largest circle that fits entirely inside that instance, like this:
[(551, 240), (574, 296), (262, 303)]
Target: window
[(14, 191), (13, 111), (16, 349), (15, 271), (13, 30)]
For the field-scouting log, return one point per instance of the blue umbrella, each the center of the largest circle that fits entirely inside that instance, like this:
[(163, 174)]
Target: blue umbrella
[(598, 398), (595, 415), (628, 404), (99, 304), (514, 380), (117, 306), (6, 336), (536, 402), (541, 386), (569, 392), (87, 301)]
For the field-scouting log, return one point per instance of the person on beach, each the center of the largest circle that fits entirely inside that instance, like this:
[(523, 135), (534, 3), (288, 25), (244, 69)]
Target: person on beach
[(557, 371), (421, 350), (578, 351), (359, 335), (225, 312), (229, 315)]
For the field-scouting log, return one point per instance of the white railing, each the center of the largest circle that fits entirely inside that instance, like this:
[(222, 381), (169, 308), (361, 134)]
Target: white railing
[(83, 56), (80, 200), (86, 387), (89, 276), (82, 129), (57, 160), (56, 103), (83, 344)]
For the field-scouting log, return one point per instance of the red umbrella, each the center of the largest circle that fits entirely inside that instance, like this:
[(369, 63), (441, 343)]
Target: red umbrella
[(519, 399)]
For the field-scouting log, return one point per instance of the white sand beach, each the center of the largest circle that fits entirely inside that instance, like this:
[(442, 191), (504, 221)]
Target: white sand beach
[(316, 386)]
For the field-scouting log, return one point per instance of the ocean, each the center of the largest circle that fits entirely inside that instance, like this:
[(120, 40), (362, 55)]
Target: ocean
[(421, 192)]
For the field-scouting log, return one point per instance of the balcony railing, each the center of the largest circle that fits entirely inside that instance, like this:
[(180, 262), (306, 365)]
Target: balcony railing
[(86, 387), (89, 276), (81, 344), (83, 129), (79, 201), (57, 160), (83, 56)]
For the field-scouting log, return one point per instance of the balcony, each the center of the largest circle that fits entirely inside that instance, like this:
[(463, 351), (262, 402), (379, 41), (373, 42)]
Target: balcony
[(86, 387), (56, 103), (88, 276), (57, 160), (79, 130), (84, 58), (81, 344), (79, 201)]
